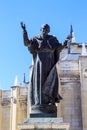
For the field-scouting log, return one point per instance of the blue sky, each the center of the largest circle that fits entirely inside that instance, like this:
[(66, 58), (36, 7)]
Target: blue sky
[(59, 14)]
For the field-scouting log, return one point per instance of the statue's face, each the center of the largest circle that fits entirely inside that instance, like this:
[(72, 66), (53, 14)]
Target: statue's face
[(45, 29)]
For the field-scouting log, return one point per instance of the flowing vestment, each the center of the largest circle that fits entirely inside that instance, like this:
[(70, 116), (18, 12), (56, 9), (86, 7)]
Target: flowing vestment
[(44, 79)]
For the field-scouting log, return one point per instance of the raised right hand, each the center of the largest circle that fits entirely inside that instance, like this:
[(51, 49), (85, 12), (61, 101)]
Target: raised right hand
[(23, 26)]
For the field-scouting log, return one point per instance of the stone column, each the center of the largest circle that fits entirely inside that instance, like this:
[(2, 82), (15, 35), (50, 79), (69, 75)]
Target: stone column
[(83, 77), (13, 107), (18, 106), (21, 105)]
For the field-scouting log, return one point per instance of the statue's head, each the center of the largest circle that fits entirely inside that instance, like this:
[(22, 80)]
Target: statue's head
[(45, 28)]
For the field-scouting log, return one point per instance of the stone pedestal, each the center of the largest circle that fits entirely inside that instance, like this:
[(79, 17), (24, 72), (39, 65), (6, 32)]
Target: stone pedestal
[(44, 124), (43, 111)]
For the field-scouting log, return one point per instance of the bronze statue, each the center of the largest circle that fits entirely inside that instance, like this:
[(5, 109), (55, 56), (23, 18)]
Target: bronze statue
[(45, 50)]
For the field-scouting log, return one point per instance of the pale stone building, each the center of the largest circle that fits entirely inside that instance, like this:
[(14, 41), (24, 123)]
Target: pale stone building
[(13, 107)]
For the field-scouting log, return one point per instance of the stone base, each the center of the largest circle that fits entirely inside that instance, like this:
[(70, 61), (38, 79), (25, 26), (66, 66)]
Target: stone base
[(44, 124), (43, 111)]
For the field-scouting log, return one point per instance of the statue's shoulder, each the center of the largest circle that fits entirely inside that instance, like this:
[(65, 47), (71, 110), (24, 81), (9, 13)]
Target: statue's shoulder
[(52, 37), (37, 37)]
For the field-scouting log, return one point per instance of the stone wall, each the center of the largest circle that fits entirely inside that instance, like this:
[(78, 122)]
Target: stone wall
[(13, 107), (70, 88), (5, 109)]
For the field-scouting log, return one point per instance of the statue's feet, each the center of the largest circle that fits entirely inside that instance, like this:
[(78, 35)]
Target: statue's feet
[(51, 103)]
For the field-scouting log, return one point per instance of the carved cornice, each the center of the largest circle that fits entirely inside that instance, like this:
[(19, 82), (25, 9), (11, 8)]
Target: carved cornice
[(70, 80), (6, 102), (23, 101)]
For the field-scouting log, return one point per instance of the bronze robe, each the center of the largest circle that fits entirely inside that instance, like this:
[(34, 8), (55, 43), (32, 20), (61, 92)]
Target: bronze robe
[(44, 79)]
